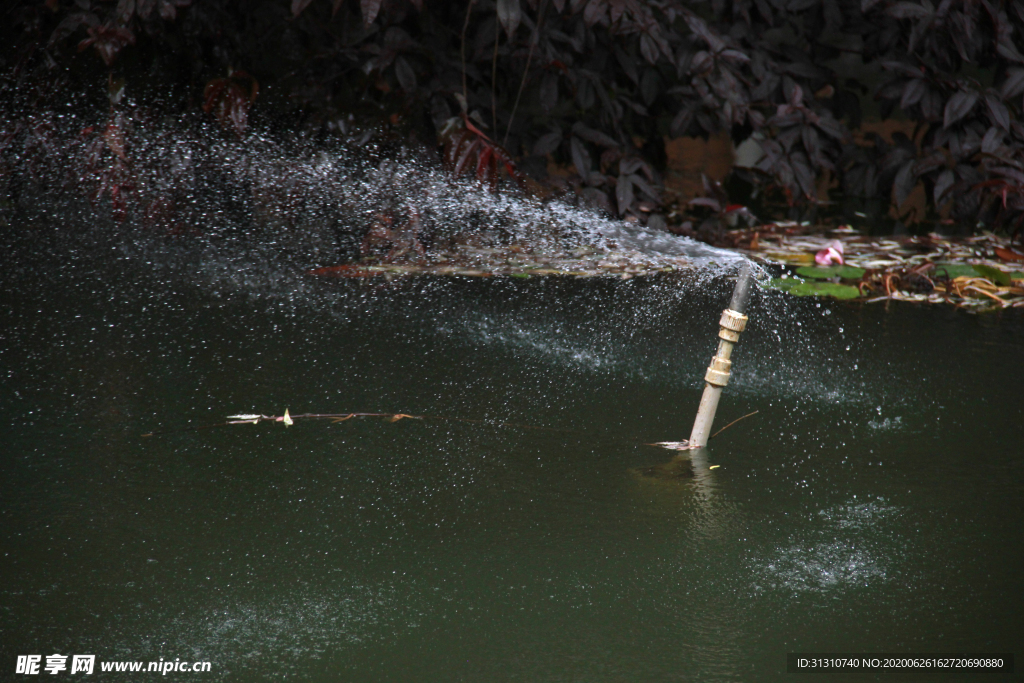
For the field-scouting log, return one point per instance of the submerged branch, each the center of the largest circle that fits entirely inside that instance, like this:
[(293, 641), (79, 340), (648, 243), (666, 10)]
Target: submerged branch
[(288, 419)]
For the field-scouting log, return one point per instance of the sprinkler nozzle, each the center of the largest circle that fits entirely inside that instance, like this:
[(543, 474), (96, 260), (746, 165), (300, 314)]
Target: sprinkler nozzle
[(741, 292)]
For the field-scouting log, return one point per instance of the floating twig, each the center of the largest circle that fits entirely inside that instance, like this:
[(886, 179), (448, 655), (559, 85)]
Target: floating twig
[(287, 420), (734, 422), (672, 445)]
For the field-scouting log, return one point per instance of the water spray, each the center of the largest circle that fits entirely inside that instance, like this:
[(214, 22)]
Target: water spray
[(716, 378)]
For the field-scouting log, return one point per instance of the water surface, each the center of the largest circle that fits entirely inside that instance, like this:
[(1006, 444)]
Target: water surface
[(872, 504)]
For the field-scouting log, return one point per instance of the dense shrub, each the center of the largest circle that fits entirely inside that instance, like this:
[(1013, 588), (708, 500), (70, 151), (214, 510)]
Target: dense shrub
[(590, 85)]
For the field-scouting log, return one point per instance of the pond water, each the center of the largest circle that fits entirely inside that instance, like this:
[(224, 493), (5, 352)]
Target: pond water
[(871, 505)]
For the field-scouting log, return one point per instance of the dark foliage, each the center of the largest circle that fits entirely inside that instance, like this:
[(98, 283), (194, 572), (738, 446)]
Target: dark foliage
[(592, 86)]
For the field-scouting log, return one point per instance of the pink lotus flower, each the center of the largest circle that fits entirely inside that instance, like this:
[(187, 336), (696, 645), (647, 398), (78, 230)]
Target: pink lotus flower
[(833, 253)]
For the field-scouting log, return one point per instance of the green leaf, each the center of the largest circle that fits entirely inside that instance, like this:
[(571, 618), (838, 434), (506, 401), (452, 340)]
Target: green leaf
[(784, 284), (832, 289), (825, 272), (1017, 276), (997, 276), (954, 270)]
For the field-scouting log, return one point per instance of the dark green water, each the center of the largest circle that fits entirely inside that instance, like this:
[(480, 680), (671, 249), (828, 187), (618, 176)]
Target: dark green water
[(873, 504)]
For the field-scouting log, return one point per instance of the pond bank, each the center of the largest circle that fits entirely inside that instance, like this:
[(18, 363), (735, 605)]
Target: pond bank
[(981, 272)]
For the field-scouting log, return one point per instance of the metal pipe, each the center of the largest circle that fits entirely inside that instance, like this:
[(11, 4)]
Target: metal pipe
[(741, 292), (717, 377)]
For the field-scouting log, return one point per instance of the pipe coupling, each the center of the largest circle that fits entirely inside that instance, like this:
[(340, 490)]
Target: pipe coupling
[(731, 324), (718, 372)]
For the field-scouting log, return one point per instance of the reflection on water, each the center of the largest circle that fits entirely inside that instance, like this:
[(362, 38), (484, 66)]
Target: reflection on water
[(871, 504)]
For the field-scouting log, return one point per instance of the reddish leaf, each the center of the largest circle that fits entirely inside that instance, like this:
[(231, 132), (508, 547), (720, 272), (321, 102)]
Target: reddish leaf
[(992, 140), (913, 91), (702, 63), (794, 93), (145, 8), (617, 8), (510, 13), (998, 111), (1008, 172), (452, 148), (125, 10), (698, 26), (370, 9), (829, 126), (547, 143), (1007, 255), (229, 99), (70, 24), (406, 76), (931, 105), (649, 49), (591, 135), (904, 183), (642, 185), (596, 11), (468, 149), (298, 6), (466, 145), (734, 56), (624, 193), (959, 106), (1006, 49), (169, 8), (804, 174), (942, 185), (1014, 84), (909, 10), (108, 41), (486, 166), (629, 165), (580, 157), (682, 121)]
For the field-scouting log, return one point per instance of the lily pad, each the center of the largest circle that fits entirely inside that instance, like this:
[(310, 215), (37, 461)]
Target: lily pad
[(955, 270), (999, 277), (825, 272), (784, 284), (789, 257), (832, 289)]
